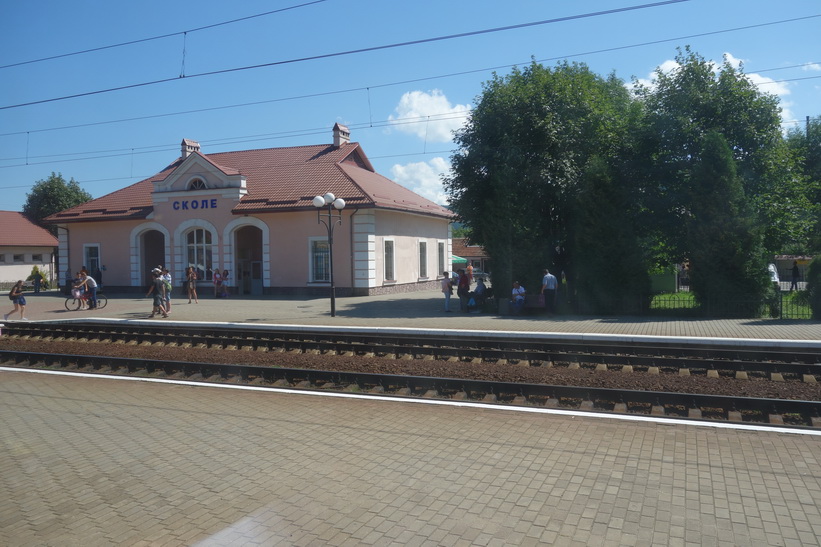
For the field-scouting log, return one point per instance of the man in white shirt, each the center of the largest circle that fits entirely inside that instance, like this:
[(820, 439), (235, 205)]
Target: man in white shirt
[(517, 297), (549, 289)]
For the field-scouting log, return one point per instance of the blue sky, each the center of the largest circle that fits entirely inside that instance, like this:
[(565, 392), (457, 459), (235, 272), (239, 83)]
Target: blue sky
[(329, 61)]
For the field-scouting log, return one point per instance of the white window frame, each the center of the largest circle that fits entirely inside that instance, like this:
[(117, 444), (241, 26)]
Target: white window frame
[(422, 250), (205, 248), (389, 261), (311, 274), (87, 259)]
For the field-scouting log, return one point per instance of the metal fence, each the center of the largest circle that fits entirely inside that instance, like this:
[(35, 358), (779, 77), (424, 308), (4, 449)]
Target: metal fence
[(785, 305)]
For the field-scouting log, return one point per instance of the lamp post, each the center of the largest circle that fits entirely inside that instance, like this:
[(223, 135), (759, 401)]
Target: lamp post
[(330, 220)]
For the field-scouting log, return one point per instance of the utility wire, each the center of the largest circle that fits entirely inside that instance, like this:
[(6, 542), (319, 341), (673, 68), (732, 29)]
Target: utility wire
[(160, 37), (426, 78), (351, 52)]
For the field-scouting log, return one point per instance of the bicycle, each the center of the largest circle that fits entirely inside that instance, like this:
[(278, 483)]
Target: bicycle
[(73, 304)]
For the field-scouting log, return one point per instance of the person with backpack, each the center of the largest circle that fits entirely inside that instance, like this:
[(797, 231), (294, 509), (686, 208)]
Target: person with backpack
[(158, 289), (16, 296)]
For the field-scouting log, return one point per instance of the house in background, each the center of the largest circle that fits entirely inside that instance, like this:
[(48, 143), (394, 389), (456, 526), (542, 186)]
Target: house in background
[(23, 245), (474, 254), (250, 212)]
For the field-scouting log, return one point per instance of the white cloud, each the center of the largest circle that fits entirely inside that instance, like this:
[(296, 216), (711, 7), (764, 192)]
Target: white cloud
[(764, 84), (666, 67), (424, 178), (429, 116), (811, 67)]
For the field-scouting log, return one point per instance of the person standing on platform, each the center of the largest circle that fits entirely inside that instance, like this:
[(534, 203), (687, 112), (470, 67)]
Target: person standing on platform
[(169, 285), (157, 288), (224, 292), (89, 286), (37, 277), (191, 280), (447, 290), (217, 284), (550, 287), (796, 275), (463, 291), (470, 273)]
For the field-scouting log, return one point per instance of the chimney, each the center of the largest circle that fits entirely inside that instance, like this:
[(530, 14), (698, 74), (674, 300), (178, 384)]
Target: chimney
[(342, 135), (188, 147)]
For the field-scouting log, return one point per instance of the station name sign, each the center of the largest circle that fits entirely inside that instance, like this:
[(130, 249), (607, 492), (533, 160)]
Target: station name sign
[(186, 204)]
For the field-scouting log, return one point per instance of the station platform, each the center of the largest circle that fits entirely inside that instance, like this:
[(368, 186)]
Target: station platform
[(88, 460), (419, 310)]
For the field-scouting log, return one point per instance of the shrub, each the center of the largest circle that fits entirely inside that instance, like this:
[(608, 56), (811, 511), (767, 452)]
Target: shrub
[(814, 287)]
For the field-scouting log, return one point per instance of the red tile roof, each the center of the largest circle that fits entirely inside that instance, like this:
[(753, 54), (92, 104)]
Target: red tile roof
[(461, 248), (277, 179), (16, 230)]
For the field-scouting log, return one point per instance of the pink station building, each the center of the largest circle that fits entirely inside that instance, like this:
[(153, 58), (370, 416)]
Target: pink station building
[(251, 212)]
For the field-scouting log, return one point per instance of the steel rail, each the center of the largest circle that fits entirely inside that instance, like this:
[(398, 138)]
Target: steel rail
[(642, 356), (780, 412)]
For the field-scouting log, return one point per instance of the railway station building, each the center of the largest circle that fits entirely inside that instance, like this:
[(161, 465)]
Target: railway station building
[(251, 212)]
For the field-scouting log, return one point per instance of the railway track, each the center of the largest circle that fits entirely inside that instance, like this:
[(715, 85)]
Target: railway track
[(775, 412), (740, 361)]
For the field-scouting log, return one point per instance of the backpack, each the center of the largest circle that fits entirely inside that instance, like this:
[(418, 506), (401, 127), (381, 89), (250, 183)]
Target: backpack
[(11, 292)]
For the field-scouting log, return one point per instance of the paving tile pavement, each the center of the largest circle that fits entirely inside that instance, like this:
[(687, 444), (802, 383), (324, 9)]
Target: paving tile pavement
[(90, 461), (420, 310)]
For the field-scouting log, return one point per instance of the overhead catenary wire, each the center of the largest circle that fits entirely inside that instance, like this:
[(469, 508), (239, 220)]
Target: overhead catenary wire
[(428, 78), (349, 52), (159, 37), (296, 132)]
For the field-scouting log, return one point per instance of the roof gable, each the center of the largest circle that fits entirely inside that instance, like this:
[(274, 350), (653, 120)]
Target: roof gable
[(266, 180), (16, 230)]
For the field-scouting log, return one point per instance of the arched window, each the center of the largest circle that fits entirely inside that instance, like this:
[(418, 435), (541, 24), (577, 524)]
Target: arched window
[(197, 184), (199, 249)]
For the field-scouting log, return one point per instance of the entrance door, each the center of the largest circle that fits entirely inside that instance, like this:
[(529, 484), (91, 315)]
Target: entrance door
[(248, 242), (256, 278), (152, 253)]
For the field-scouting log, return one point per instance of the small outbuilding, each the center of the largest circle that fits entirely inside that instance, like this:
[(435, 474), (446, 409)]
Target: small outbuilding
[(23, 245)]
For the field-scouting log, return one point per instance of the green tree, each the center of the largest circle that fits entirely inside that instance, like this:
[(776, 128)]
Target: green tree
[(516, 174), (611, 271), (805, 145), (682, 107), (53, 195), (727, 261), (814, 287)]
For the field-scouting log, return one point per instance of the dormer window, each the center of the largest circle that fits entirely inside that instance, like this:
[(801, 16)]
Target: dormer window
[(197, 184)]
